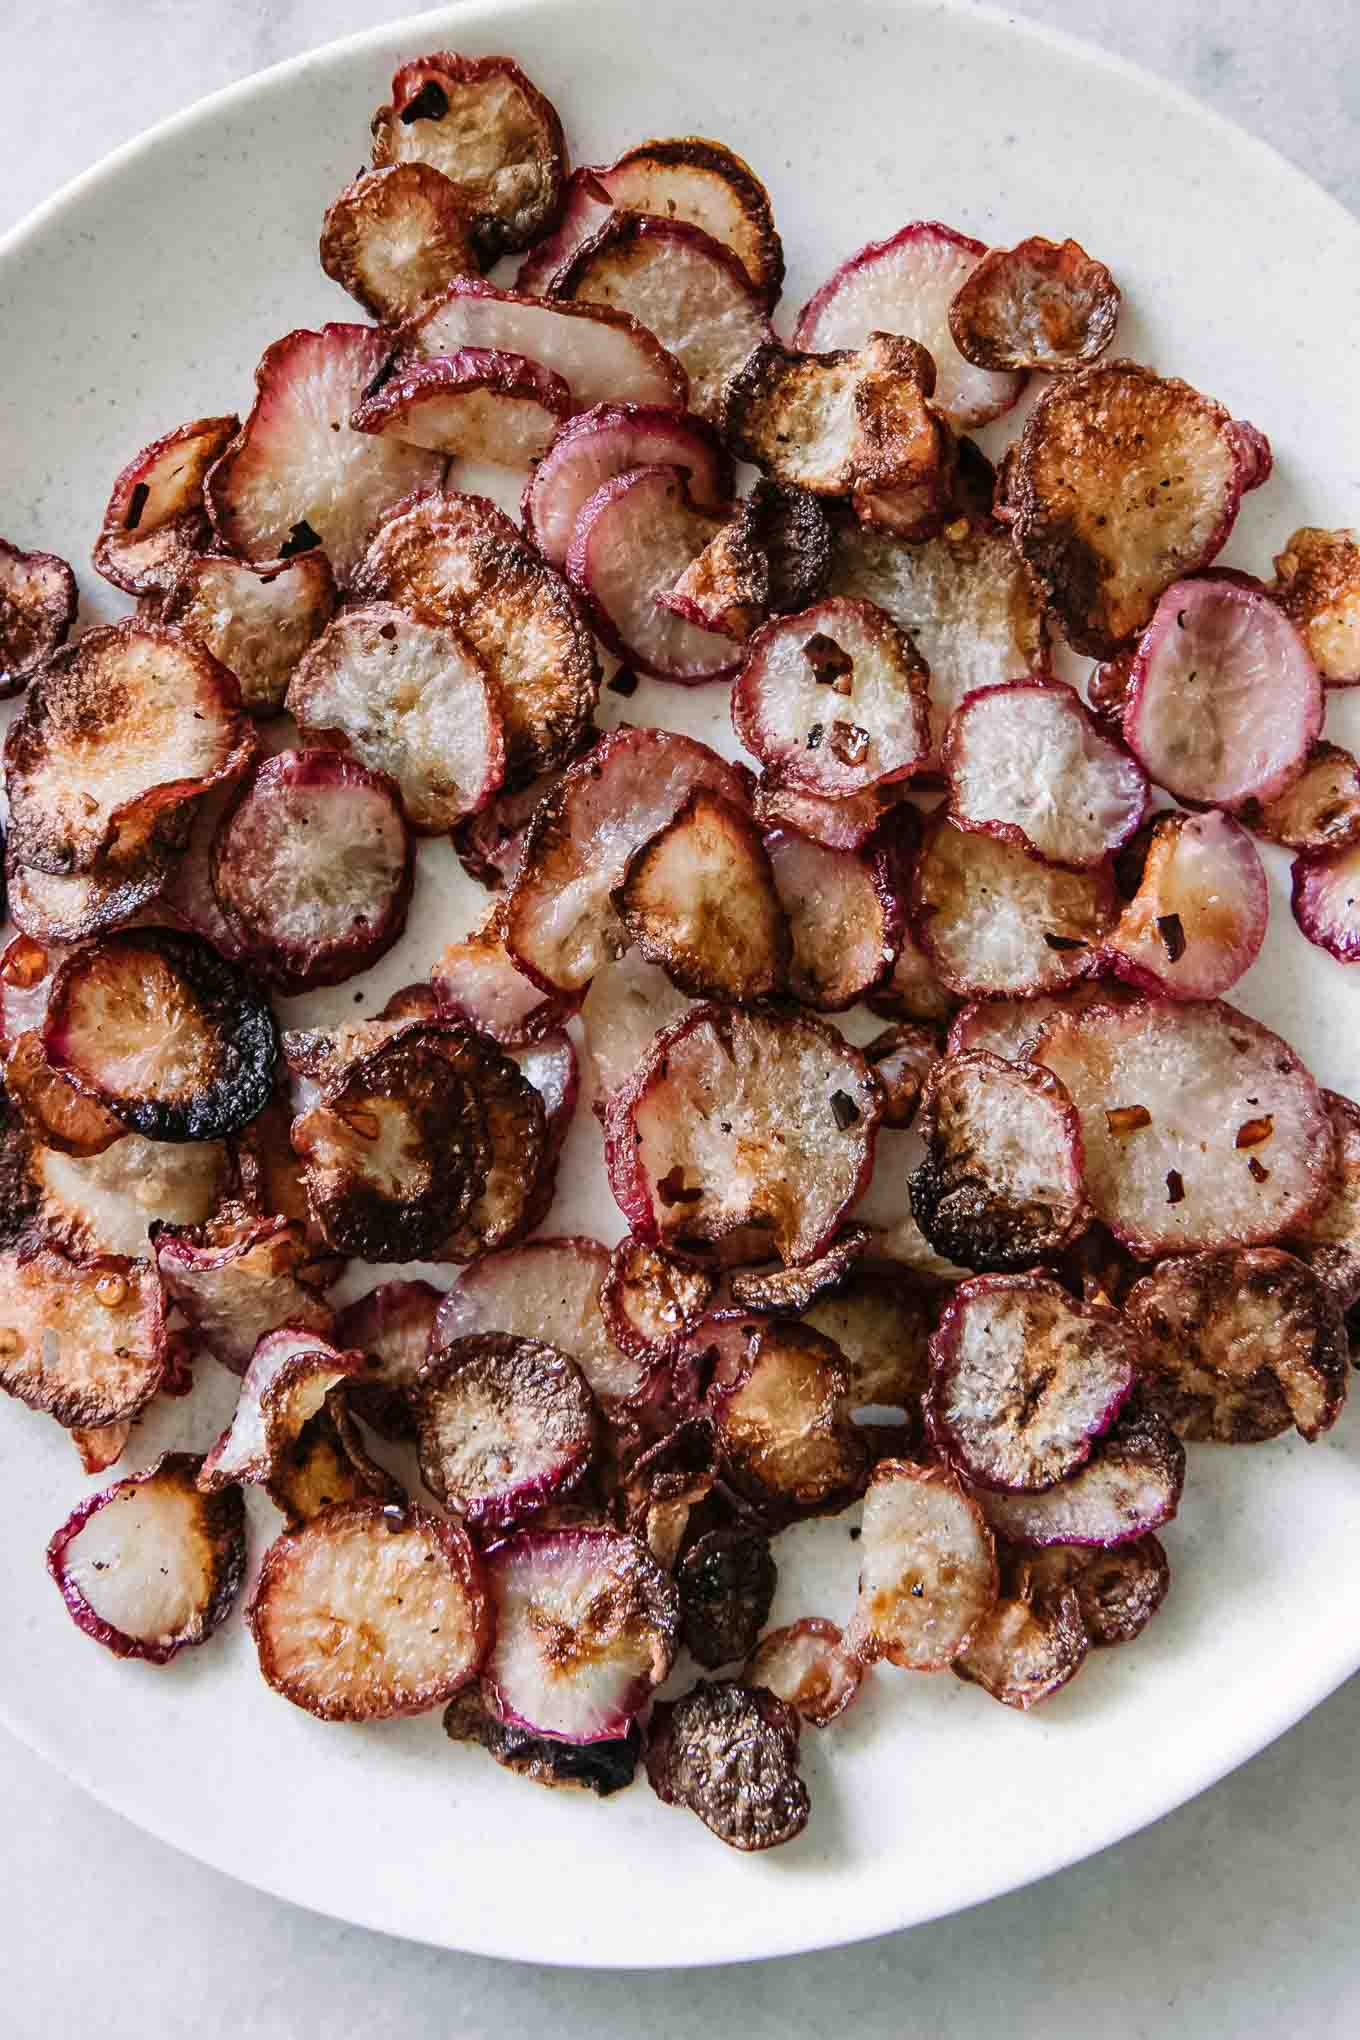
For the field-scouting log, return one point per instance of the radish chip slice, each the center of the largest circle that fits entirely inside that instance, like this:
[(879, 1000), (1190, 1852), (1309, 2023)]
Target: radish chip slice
[(611, 440), (902, 1058), (845, 823), (726, 587), (482, 124), (1198, 919), (626, 1007), (66, 909), (726, 1582), (650, 1301), (296, 476), (370, 1610), (505, 1426), (1326, 900), (475, 405), (602, 1767), (1030, 1644), (101, 1446), (881, 1324), (477, 981), (258, 620), (551, 1290), (742, 1132), (394, 237), (151, 1565), (833, 701), (787, 1292), (488, 844), (239, 1277), (996, 922), (730, 1754), (1224, 704), (603, 355), (38, 599), (104, 1204), (699, 899), (326, 1464), (1200, 1127), (1042, 304), (1330, 1240), (1131, 1484), (409, 699), (392, 1326), (61, 1116), (1320, 811), (1088, 509), (586, 1626), (1317, 584), (156, 516), (928, 1573), (906, 285), (807, 1666), (290, 1375), (633, 539), (844, 919), (1013, 1028), (1118, 1592), (1025, 761), (517, 1188), (82, 1338), (783, 1423), (1237, 1346)]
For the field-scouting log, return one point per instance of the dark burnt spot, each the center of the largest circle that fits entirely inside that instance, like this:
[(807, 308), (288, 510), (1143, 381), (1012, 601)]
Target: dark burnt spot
[(815, 735), (624, 682), (384, 375), (671, 1190), (1259, 1173), (831, 664), (1064, 942), (1172, 931), (1175, 1187), (430, 103), (844, 1110), (136, 505), (301, 539)]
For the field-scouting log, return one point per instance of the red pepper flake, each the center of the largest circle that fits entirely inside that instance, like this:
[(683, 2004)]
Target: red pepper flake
[(1253, 1131), (1127, 1119), (1259, 1174), (831, 664), (1175, 1187), (136, 505), (671, 1189), (849, 743), (1172, 931)]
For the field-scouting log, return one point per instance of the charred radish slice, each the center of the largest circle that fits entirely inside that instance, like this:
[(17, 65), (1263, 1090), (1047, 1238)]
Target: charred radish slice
[(1123, 481), (881, 1324), (258, 620), (726, 1582), (151, 1566), (1118, 1592), (651, 1302), (550, 1290), (505, 1424), (611, 440), (808, 1667), (1330, 1241), (1326, 900), (586, 1626), (833, 701), (560, 923), (1131, 1484), (515, 1192), (683, 286), (82, 1338), (475, 405), (742, 1133), (907, 285), (296, 476), (633, 540), (488, 844), (1030, 1644), (477, 982), (313, 867), (392, 1327), (61, 1116), (1235, 1347), (482, 125), (290, 1375), (38, 600), (726, 587), (1317, 584), (730, 1754), (116, 740), (370, 1610), (1198, 918), (326, 1464), (238, 1278), (787, 1292), (457, 560), (902, 1058), (1024, 1380), (1224, 702), (1025, 761), (626, 1006), (844, 919), (66, 909), (1320, 811), (1000, 1184), (1042, 304), (104, 1204), (409, 699), (996, 922), (157, 516), (783, 1424), (699, 899), (394, 238), (1200, 1128), (602, 1768), (928, 1573)]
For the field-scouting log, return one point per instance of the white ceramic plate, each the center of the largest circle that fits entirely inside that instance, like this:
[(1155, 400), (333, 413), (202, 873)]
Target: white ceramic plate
[(143, 295)]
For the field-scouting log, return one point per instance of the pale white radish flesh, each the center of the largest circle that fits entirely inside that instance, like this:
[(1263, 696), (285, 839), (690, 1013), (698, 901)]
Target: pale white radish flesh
[(927, 1569), (632, 541), (548, 1289), (156, 516), (67, 909), (844, 919), (238, 1278), (1011, 1028), (479, 404), (614, 439), (105, 1204), (628, 1004), (1198, 919), (291, 1373), (1026, 761), (476, 980), (394, 237), (996, 922), (1317, 584), (700, 899), (82, 1338), (1326, 900), (1131, 1484), (257, 619), (808, 1666), (881, 1323)]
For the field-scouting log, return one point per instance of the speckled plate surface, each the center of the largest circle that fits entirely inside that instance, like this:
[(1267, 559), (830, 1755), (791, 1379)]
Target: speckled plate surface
[(143, 295)]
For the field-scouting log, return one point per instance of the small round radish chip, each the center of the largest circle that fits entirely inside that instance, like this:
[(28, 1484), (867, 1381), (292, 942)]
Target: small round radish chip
[(1118, 1592), (997, 923), (105, 1203), (258, 620), (325, 1464), (726, 1582), (157, 516), (783, 1422), (1325, 899), (928, 1576), (632, 541), (394, 237), (1030, 1644), (238, 1277), (602, 1768), (552, 1290), (1131, 1484), (478, 404), (615, 439), (290, 1377), (506, 1425), (1042, 304), (650, 1301), (1317, 584), (699, 898), (1198, 919), (1025, 761), (81, 1337), (38, 599), (730, 1754), (1320, 811), (807, 1666), (844, 919)]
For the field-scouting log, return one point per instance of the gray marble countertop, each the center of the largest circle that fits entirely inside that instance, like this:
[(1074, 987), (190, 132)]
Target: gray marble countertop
[(1231, 1919)]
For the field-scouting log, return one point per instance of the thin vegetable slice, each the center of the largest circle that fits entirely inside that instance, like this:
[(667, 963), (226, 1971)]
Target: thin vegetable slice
[(845, 920), (699, 898), (1042, 304), (1198, 918), (81, 1337), (1030, 1644), (610, 440), (996, 922), (632, 541), (156, 516), (772, 557), (102, 1445), (602, 1768), (928, 1576), (392, 1327), (257, 619), (787, 1292), (38, 599), (505, 1424), (1330, 1240), (1325, 899), (726, 1582), (807, 1666), (881, 1324), (549, 1289), (626, 1007), (326, 1464), (1131, 1484), (1317, 584), (238, 1277), (105, 1203), (60, 1115), (902, 1058), (477, 404), (489, 843), (477, 981), (291, 1374), (730, 1754), (1320, 811), (650, 1301), (1118, 1592), (845, 823), (49, 908), (394, 237), (783, 1423)]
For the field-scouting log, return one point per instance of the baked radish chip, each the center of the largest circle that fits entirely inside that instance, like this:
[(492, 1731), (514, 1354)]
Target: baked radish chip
[(1131, 1484), (290, 1375), (881, 1323), (52, 909), (787, 1292), (1330, 1240), (105, 1203), (475, 405), (730, 1754), (370, 1610), (506, 1425), (1320, 811), (81, 1337), (37, 608), (586, 1625), (1200, 1128), (1198, 918), (996, 922), (1326, 900), (633, 540), (699, 899), (157, 515), (1317, 584), (808, 1667), (1026, 761), (550, 1290), (602, 1768), (258, 620), (783, 1423), (392, 1327), (726, 1582), (237, 1278), (151, 1565), (927, 1569), (1031, 1643), (845, 920), (1118, 1592), (650, 1301), (394, 237), (615, 439), (902, 1058), (477, 981), (61, 1116), (325, 1464), (1042, 304)]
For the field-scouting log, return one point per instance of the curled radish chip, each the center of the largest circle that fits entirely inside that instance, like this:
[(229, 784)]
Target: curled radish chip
[(296, 476), (1089, 512), (845, 921), (476, 980), (1237, 1346), (1200, 1128), (906, 285), (786, 1292), (61, 1116), (489, 843), (996, 922), (633, 539), (104, 1204), (1320, 811), (38, 600), (101, 1446), (807, 1666), (258, 620), (726, 587), (458, 560), (1042, 304), (1026, 761), (325, 1464), (1198, 918), (290, 1375), (902, 1058), (586, 1626), (370, 1610), (1131, 1484), (666, 1482), (699, 898), (626, 1007), (394, 237), (928, 1573), (1024, 1380), (743, 1132), (505, 1426), (490, 132), (560, 923), (239, 1277), (392, 1327), (1000, 1184), (615, 439), (783, 1423), (881, 1324), (475, 405), (151, 1565), (269, 1175), (1326, 900), (550, 1290), (1118, 1592), (726, 1582), (409, 699), (313, 866), (49, 908), (833, 700), (81, 1337), (1330, 1240), (651, 1302), (683, 286), (730, 1754), (789, 530), (845, 823), (602, 1768), (1031, 1643), (1317, 584), (1224, 702), (122, 732), (156, 516), (27, 968), (1013, 1028)]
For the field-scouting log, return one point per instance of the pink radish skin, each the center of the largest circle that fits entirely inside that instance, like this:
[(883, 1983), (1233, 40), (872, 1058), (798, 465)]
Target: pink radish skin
[(478, 404), (632, 541), (610, 440), (1198, 919), (1325, 899)]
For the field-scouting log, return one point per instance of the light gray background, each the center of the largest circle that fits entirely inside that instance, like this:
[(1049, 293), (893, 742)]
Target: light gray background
[(1233, 1918)]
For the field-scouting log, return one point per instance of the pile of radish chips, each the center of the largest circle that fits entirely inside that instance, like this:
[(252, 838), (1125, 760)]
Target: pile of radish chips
[(952, 1187)]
